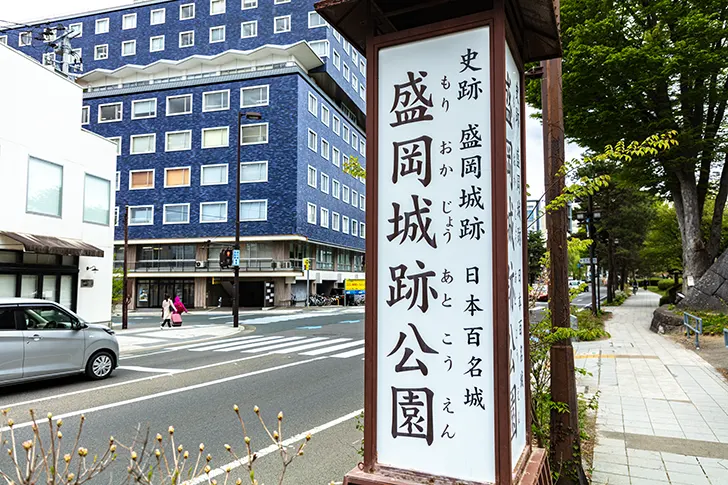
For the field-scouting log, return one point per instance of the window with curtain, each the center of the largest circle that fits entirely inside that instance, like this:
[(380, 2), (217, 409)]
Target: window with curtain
[(177, 177), (141, 215), (255, 134), (253, 172), (144, 108), (176, 214), (213, 212), (141, 179), (45, 188), (216, 101), (254, 96), (143, 144), (96, 200), (180, 140), (66, 297), (253, 210), (215, 137), (7, 285), (213, 174)]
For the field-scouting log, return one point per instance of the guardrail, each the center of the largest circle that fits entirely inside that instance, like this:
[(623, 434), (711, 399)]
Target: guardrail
[(697, 328), (725, 337)]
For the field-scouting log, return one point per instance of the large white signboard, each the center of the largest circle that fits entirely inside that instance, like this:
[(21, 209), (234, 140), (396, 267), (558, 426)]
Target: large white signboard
[(435, 347), (516, 298)]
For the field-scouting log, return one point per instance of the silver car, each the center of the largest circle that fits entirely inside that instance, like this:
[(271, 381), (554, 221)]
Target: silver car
[(40, 339)]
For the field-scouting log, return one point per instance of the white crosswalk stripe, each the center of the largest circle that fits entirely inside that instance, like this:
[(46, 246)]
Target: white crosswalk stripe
[(340, 347)]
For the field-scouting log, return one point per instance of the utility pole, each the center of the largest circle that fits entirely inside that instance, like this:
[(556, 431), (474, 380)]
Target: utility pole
[(565, 446), (236, 247), (125, 280)]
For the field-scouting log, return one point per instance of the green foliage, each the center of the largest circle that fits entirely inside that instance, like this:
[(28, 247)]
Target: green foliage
[(536, 252), (354, 168), (713, 323), (590, 327), (665, 284), (662, 249), (619, 298), (360, 427), (117, 287)]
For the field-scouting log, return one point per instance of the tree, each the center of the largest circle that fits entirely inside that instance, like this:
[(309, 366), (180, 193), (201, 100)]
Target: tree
[(632, 68), (662, 249), (536, 252)]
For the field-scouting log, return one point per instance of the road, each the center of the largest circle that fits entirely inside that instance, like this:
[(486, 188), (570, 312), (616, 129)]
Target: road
[(307, 365)]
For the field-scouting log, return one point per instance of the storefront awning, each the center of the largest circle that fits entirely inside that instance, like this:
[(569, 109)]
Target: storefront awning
[(48, 245)]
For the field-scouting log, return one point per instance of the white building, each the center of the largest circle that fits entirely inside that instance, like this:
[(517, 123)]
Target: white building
[(56, 217)]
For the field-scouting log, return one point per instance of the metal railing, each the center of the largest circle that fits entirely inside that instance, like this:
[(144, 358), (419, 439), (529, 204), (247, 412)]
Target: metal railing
[(697, 328), (725, 337), (253, 265)]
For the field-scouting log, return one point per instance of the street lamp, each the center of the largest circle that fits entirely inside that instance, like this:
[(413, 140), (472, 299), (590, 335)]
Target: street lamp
[(249, 115)]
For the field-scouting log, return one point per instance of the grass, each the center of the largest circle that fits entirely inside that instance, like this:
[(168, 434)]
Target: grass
[(655, 289), (713, 323)]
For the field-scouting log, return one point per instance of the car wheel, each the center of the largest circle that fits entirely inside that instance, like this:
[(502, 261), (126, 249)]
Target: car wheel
[(100, 365)]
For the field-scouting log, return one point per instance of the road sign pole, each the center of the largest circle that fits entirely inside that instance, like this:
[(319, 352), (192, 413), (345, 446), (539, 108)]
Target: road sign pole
[(308, 286), (592, 254)]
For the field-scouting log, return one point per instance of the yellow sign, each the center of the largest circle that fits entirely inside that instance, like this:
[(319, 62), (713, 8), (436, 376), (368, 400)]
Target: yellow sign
[(307, 263), (355, 285)]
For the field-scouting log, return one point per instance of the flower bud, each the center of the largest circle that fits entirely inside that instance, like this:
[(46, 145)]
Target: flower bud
[(82, 452), (60, 435), (27, 445), (11, 423), (236, 408), (134, 456), (67, 458), (112, 448), (247, 440), (308, 437), (159, 437), (179, 449), (202, 447), (275, 435), (209, 458), (227, 447), (70, 477), (171, 430), (50, 416), (186, 455), (256, 410), (59, 423), (207, 469), (280, 416), (157, 453)]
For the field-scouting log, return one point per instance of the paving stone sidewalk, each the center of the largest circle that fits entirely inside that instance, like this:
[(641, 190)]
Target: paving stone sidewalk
[(663, 410)]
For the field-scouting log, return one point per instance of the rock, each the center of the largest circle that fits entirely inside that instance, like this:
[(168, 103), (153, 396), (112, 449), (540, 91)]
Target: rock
[(666, 321), (697, 300), (709, 282)]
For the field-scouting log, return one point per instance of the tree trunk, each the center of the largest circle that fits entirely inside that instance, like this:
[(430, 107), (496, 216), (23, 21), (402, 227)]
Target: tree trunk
[(711, 290), (611, 282), (696, 259)]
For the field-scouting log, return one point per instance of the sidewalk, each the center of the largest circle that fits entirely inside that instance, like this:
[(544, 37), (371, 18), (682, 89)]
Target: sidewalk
[(663, 410)]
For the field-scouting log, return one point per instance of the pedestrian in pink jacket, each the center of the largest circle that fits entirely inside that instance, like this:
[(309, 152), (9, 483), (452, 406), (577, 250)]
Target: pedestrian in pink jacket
[(179, 306)]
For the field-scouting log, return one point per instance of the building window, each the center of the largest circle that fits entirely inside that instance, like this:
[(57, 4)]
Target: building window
[(143, 144), (337, 60), (253, 210), (362, 230), (116, 215), (211, 212), (345, 134), (325, 115), (354, 198), (187, 11), (156, 43), (354, 227), (25, 38), (324, 217), (177, 177), (215, 137), (337, 125), (337, 35), (49, 59), (248, 4), (324, 183), (312, 140), (143, 108), (76, 28), (178, 140), (214, 174), (345, 224), (86, 115), (335, 221), (312, 104), (45, 188), (116, 140), (311, 213), (128, 48), (217, 34), (251, 172), (118, 180), (362, 202), (101, 52), (354, 140), (109, 113), (354, 55), (249, 29), (187, 39), (157, 16), (278, 2), (282, 24), (141, 215), (141, 179), (176, 214), (4, 39), (335, 189), (216, 100), (337, 157), (362, 67), (347, 72), (102, 26), (320, 47), (312, 177), (179, 105), (315, 20), (129, 21), (362, 92), (96, 200), (254, 96), (345, 194), (355, 83), (346, 46), (217, 7), (256, 134)]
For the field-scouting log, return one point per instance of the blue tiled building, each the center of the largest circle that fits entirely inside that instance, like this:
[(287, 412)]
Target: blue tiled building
[(166, 80)]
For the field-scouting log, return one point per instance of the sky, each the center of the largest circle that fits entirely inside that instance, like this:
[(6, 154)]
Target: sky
[(24, 10)]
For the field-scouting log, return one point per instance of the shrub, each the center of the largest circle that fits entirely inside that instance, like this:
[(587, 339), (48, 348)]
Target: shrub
[(665, 284), (665, 300)]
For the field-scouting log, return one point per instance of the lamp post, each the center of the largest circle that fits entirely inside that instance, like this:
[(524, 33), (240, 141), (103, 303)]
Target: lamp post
[(236, 249)]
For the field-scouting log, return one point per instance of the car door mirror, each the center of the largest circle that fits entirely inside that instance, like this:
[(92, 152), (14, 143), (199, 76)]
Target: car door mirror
[(76, 325)]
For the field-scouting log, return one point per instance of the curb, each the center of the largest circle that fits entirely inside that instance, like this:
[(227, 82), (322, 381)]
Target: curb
[(243, 329)]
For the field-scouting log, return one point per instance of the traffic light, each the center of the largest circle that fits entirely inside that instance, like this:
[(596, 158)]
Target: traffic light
[(226, 258), (306, 263)]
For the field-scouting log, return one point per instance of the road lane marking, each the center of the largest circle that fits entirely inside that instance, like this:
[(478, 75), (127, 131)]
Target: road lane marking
[(351, 353), (282, 345), (224, 345), (260, 343), (219, 318), (226, 341), (273, 448), (311, 346), (146, 355), (149, 369), (169, 392), (326, 350), (310, 327)]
